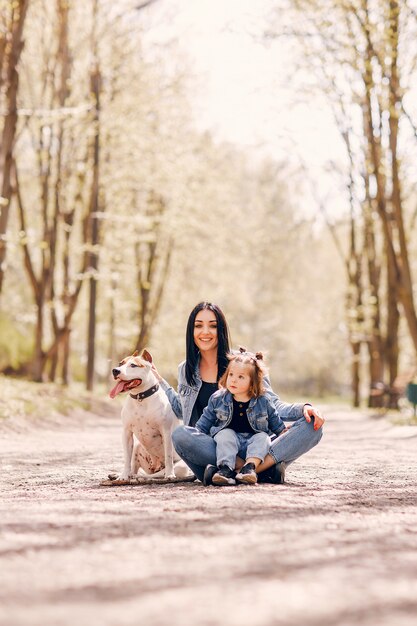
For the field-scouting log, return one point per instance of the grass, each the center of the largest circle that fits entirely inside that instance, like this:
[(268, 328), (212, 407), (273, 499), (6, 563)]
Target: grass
[(29, 400), (401, 417), (34, 401), (405, 420), (326, 399)]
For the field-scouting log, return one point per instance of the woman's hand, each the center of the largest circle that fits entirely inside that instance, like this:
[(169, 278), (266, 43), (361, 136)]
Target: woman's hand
[(155, 371), (310, 412)]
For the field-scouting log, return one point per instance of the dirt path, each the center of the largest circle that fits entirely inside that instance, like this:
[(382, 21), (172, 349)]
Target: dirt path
[(335, 545)]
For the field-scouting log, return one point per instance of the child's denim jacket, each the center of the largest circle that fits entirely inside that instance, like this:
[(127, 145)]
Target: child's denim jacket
[(262, 415), (182, 403)]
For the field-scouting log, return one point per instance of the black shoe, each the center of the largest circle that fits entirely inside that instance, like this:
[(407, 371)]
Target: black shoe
[(274, 474), (224, 476), (208, 475), (247, 474)]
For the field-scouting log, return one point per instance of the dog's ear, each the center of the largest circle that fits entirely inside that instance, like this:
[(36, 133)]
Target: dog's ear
[(136, 352), (147, 356)]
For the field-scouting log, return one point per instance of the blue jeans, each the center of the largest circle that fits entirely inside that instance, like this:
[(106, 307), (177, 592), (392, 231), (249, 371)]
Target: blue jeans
[(230, 444), (199, 450)]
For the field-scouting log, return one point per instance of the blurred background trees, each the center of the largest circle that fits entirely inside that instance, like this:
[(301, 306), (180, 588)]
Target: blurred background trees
[(118, 215)]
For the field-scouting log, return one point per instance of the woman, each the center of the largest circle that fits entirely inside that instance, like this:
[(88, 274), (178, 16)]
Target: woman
[(207, 344)]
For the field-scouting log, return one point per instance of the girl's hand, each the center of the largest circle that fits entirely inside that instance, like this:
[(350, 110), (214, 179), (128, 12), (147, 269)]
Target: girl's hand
[(310, 412)]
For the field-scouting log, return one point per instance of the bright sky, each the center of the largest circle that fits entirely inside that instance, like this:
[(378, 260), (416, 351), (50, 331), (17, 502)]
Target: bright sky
[(245, 91)]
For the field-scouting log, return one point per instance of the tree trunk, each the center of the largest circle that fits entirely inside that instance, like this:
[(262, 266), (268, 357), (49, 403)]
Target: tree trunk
[(392, 222), (391, 344), (375, 343), (53, 367), (406, 282), (356, 398), (58, 364), (151, 280), (66, 351), (111, 354), (94, 206), (19, 11), (38, 361)]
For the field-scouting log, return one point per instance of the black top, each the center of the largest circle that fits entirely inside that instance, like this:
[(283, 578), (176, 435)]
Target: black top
[(206, 390), (240, 422)]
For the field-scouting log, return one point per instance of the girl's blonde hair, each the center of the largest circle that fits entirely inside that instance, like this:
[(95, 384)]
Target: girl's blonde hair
[(257, 370)]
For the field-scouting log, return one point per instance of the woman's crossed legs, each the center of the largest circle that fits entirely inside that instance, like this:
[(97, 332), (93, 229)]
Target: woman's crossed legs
[(199, 450)]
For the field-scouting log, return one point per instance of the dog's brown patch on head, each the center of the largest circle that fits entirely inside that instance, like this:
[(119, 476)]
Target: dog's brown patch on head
[(136, 352), (136, 360), (147, 356)]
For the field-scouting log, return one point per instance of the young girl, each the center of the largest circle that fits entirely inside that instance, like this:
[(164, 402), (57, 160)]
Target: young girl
[(240, 418)]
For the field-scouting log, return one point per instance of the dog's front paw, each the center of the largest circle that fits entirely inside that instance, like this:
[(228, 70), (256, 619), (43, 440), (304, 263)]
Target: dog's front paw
[(123, 476), (170, 476)]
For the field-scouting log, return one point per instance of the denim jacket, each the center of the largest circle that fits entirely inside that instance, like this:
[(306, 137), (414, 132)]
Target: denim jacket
[(262, 415), (183, 402)]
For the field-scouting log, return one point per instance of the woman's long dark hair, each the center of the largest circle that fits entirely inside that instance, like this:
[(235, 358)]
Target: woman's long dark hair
[(223, 346)]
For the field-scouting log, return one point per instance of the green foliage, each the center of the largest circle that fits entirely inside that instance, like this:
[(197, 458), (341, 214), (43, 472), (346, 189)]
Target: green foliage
[(15, 345)]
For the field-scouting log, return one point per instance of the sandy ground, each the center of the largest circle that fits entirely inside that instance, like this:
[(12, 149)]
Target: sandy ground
[(337, 544)]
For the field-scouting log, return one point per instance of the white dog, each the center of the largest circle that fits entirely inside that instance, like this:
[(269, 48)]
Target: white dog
[(146, 415)]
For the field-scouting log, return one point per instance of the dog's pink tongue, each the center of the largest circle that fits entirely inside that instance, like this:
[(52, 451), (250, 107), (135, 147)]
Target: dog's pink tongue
[(118, 388)]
